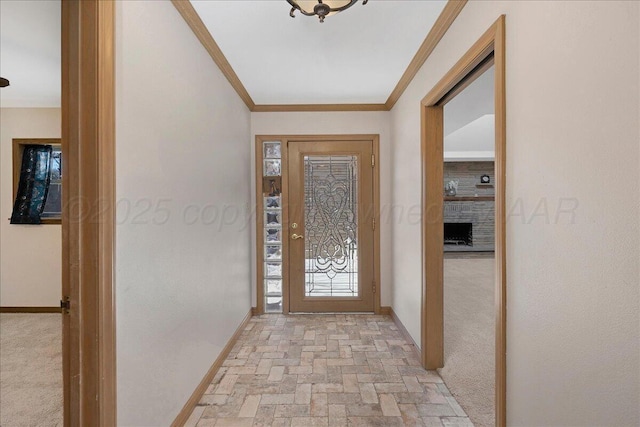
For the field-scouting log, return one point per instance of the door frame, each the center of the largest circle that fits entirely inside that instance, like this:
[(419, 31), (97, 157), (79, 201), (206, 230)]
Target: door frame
[(259, 139), (491, 43), (88, 212)]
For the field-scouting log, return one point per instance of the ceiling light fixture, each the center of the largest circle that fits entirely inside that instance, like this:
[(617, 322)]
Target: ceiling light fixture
[(320, 8), (4, 82)]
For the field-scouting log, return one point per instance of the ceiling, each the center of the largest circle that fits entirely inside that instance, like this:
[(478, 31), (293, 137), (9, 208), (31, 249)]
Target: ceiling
[(475, 101), (30, 53), (354, 57), (357, 56), (469, 121)]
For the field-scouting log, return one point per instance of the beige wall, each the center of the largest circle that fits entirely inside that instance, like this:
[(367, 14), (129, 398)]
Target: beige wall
[(335, 123), (572, 139), (182, 243), (30, 255)]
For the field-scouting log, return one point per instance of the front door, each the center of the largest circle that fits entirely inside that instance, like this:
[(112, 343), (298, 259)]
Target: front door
[(331, 214)]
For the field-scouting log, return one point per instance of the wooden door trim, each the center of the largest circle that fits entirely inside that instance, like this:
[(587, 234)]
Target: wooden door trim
[(376, 217), (259, 213), (88, 215), (259, 139), (492, 42)]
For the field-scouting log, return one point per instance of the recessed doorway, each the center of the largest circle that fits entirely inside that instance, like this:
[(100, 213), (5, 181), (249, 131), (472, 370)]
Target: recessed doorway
[(317, 238)]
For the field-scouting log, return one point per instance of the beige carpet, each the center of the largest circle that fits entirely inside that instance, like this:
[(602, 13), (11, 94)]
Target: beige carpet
[(30, 370), (469, 344)]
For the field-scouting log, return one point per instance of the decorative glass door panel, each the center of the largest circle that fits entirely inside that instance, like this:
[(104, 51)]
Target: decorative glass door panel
[(331, 233), (331, 225)]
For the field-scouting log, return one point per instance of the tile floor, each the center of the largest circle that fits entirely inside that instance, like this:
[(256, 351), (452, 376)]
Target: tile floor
[(325, 370)]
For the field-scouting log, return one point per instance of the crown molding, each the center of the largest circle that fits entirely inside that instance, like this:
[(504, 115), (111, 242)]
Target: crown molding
[(317, 107), (202, 33), (450, 12)]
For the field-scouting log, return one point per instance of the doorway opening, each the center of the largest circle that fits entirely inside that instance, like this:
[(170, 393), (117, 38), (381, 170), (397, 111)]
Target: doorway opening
[(317, 241), (31, 362), (445, 200), (79, 36), (469, 231)]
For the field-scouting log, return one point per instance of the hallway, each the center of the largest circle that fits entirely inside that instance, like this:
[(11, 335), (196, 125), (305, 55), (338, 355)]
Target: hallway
[(325, 370)]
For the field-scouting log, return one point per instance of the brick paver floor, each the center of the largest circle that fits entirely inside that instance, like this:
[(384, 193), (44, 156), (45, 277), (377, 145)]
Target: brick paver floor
[(325, 370)]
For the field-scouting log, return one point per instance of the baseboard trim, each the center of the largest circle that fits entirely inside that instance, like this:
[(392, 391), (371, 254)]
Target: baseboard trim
[(188, 408), (405, 333), (385, 311), (29, 309), (254, 311)]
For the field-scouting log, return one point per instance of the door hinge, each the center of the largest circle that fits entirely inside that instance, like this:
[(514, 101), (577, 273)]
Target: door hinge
[(374, 286), (373, 160), (65, 305), (373, 224)]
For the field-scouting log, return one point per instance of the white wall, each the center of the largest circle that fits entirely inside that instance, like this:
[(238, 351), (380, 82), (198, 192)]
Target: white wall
[(30, 255), (335, 123), (572, 138), (182, 275), (30, 53)]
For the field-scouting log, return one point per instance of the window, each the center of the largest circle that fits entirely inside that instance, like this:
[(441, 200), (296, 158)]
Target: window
[(53, 204), (49, 166)]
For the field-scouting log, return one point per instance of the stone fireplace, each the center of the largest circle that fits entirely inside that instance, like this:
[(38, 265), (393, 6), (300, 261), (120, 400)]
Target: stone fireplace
[(469, 216)]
